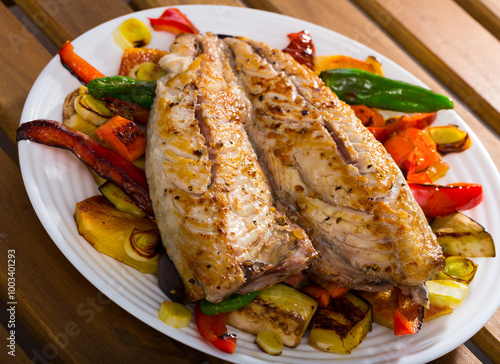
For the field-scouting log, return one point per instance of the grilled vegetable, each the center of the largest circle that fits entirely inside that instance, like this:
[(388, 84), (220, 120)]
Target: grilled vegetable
[(383, 306), (92, 110), (301, 48), (147, 71), (143, 245), (446, 293), (174, 314), (72, 118), (108, 230), (132, 57), (322, 63), (233, 302), (128, 110), (281, 309), (360, 87), (408, 316), (214, 330), (319, 294), (78, 67), (436, 200), (449, 138), (124, 88), (459, 269), (460, 235), (103, 161), (342, 326), (173, 21), (132, 33), (334, 290), (392, 125), (169, 280), (269, 342), (124, 137), (424, 151), (385, 303), (368, 116), (120, 200)]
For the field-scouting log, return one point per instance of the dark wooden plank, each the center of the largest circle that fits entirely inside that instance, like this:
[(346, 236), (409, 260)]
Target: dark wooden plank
[(51, 295), (486, 12), (65, 20), (16, 78), (430, 30), (15, 354), (488, 338), (461, 355)]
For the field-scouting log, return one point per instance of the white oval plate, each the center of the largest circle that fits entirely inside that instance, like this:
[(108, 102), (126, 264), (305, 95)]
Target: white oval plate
[(56, 180)]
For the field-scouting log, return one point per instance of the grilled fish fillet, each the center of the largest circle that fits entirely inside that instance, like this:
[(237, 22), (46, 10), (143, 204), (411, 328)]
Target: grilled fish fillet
[(212, 202), (339, 181)]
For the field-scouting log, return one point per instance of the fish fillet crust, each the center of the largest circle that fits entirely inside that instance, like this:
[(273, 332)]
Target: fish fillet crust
[(211, 199), (334, 177)]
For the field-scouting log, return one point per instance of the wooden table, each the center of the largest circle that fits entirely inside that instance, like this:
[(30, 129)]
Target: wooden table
[(451, 45)]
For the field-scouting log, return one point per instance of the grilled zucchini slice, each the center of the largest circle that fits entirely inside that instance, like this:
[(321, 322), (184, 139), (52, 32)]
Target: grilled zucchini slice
[(343, 325), (280, 309)]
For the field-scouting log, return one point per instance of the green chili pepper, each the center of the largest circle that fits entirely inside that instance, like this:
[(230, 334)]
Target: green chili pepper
[(358, 87), (124, 88), (231, 303)]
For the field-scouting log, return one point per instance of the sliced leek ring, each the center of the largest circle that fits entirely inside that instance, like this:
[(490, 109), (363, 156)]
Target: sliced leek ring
[(458, 268), (132, 33), (147, 71), (143, 245), (446, 293), (92, 110)]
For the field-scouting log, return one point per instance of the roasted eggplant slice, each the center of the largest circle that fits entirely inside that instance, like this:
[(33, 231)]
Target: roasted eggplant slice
[(460, 235)]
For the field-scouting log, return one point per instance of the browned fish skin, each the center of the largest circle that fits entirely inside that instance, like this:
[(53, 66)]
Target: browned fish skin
[(350, 196), (212, 202)]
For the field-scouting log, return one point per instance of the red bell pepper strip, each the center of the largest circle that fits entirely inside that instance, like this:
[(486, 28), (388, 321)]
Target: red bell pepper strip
[(419, 121), (78, 67), (408, 316), (417, 177), (105, 162), (425, 149), (213, 329), (319, 294), (128, 110), (334, 290), (301, 48), (173, 21), (368, 116), (438, 200), (400, 147)]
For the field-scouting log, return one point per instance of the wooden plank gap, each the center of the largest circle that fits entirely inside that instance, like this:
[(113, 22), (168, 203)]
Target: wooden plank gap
[(461, 355), (262, 5), (488, 338), (453, 81), (147, 4), (487, 16), (43, 19)]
